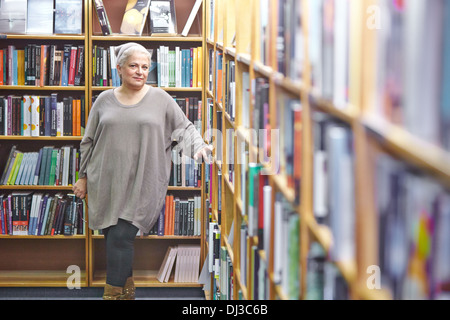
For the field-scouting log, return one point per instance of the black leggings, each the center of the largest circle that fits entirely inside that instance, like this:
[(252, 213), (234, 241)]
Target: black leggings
[(119, 252)]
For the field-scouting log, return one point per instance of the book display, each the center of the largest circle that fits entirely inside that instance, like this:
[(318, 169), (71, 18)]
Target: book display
[(315, 110), (135, 17), (163, 17)]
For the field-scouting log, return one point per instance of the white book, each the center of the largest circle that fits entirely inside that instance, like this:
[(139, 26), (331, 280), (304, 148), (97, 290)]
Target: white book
[(267, 192), (278, 245), (243, 254), (191, 18), (26, 113), (163, 268), (39, 17), (320, 184), (177, 67), (59, 118), (34, 116)]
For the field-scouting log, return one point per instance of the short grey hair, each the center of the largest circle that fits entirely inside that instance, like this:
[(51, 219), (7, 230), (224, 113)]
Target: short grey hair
[(125, 51)]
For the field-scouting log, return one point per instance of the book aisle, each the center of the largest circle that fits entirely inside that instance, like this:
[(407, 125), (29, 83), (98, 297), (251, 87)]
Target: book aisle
[(330, 130)]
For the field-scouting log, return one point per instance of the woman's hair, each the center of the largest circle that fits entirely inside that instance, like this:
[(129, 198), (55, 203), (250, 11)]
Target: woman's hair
[(124, 51)]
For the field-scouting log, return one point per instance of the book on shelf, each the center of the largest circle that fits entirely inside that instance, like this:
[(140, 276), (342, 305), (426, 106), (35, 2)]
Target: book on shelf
[(170, 67), (102, 17), (135, 17), (324, 281), (13, 16), (31, 115), (166, 267), (68, 16), (286, 256), (39, 214), (181, 261), (179, 217), (40, 17), (413, 261), (191, 17), (43, 65), (48, 166), (163, 17), (187, 264)]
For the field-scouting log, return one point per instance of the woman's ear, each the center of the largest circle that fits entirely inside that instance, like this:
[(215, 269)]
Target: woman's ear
[(119, 71)]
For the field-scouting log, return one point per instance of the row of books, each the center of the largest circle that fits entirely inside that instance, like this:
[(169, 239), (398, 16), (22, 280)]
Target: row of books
[(179, 217), (50, 166), (323, 279), (175, 67), (42, 65), (334, 190), (290, 47), (39, 214), (41, 17), (35, 116), (185, 172), (223, 287), (413, 213), (186, 260), (407, 77)]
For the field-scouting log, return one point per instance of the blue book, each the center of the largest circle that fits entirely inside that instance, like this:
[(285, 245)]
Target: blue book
[(38, 167)]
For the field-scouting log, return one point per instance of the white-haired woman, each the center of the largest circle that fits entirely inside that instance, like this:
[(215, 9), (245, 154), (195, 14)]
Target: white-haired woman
[(126, 160)]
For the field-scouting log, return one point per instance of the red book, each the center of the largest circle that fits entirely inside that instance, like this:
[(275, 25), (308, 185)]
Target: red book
[(72, 66)]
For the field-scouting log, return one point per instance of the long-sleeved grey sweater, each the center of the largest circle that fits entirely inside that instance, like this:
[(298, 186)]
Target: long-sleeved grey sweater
[(126, 155)]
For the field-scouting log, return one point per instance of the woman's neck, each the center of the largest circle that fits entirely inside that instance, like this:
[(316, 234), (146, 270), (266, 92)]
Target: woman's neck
[(130, 96)]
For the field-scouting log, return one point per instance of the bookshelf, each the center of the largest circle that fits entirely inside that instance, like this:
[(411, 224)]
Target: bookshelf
[(29, 260), (328, 89), (149, 249)]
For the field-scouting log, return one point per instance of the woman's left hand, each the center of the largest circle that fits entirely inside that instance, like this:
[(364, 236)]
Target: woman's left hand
[(204, 153)]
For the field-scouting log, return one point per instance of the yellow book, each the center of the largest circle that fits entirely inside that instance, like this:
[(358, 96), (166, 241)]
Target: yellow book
[(15, 169), (200, 67), (21, 67), (194, 67)]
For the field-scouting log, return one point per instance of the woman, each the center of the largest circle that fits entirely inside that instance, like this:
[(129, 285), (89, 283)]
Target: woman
[(126, 160)]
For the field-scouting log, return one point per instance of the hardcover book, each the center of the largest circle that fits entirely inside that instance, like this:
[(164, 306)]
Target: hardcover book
[(13, 16), (68, 17), (102, 17), (135, 16), (40, 17), (163, 17)]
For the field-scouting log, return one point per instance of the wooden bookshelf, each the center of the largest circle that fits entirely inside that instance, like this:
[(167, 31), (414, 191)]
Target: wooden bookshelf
[(43, 261), (36, 266), (236, 35)]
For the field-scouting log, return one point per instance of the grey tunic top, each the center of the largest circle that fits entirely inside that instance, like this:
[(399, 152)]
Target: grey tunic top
[(126, 155)]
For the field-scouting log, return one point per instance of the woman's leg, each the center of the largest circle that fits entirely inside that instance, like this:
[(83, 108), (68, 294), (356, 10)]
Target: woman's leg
[(119, 252)]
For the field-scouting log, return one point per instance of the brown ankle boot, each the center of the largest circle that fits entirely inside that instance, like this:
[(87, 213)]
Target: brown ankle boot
[(112, 293), (129, 290)]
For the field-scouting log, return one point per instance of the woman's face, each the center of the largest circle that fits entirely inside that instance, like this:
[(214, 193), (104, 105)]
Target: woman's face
[(135, 70)]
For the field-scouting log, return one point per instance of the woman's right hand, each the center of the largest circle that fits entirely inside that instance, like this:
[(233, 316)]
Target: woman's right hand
[(80, 188)]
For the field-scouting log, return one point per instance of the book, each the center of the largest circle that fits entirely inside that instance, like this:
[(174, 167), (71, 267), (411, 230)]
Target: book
[(40, 16), (13, 16), (163, 17), (166, 267), (68, 16), (135, 16), (102, 17), (191, 17)]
